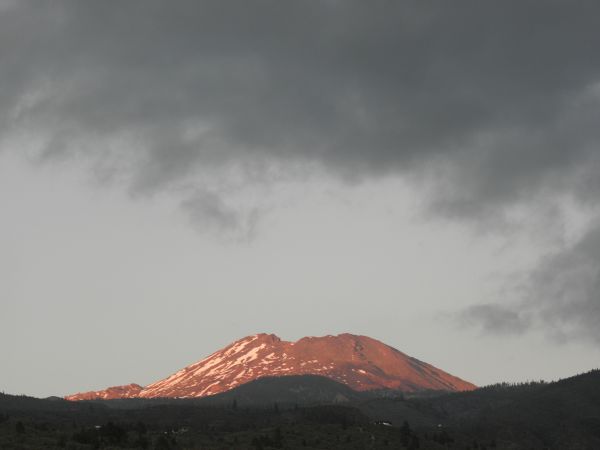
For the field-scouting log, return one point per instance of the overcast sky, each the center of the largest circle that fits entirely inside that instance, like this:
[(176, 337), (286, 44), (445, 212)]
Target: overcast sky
[(177, 175)]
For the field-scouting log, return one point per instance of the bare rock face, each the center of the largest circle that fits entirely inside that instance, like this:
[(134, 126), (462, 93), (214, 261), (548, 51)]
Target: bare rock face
[(360, 362), (128, 391)]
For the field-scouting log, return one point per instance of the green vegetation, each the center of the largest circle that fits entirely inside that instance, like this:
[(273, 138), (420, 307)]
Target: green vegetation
[(542, 416), (327, 427)]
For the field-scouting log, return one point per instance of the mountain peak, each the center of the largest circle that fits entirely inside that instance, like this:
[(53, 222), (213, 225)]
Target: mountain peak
[(360, 362)]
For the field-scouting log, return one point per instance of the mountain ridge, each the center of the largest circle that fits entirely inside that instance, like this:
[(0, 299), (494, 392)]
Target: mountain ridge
[(360, 362)]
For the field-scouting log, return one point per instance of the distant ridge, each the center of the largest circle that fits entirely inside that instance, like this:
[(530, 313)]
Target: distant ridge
[(359, 362)]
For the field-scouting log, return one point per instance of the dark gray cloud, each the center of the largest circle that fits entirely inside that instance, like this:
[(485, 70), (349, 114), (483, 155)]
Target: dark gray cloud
[(487, 105), (562, 296), (501, 96)]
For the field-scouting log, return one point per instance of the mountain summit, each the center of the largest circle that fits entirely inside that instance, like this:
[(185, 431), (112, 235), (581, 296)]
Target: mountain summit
[(360, 362)]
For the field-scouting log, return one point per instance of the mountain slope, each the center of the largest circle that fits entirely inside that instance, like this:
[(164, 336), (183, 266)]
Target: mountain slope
[(360, 362), (288, 390), (127, 391)]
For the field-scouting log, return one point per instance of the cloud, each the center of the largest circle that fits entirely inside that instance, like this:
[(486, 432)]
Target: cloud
[(494, 318), (209, 211), (560, 296), (496, 100), (488, 107), (565, 290)]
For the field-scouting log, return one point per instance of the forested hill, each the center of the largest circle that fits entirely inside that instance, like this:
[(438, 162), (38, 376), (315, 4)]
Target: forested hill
[(561, 415)]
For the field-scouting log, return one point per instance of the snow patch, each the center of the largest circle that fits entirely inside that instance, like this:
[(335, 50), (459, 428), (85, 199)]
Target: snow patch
[(250, 356)]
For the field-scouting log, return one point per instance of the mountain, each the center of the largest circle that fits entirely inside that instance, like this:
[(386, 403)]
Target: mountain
[(359, 362)]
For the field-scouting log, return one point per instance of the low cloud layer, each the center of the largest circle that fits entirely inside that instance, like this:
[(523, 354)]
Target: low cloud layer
[(487, 106)]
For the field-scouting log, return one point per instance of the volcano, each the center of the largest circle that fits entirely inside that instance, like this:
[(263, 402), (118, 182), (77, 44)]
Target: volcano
[(360, 362)]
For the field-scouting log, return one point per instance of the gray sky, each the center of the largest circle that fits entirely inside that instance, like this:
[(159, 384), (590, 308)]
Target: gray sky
[(176, 175)]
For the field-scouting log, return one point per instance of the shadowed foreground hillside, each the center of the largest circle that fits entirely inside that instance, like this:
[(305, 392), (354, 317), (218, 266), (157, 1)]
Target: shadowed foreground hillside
[(313, 412)]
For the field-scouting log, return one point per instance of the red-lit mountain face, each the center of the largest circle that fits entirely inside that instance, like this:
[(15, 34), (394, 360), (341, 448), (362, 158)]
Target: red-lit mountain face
[(359, 362), (128, 391)]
